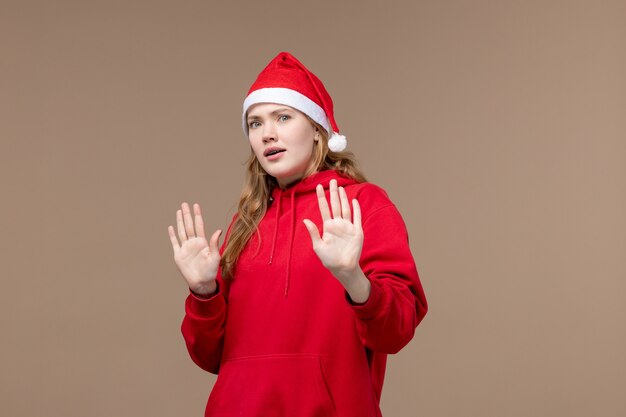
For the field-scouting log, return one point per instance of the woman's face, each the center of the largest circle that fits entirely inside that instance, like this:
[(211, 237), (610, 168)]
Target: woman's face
[(282, 139)]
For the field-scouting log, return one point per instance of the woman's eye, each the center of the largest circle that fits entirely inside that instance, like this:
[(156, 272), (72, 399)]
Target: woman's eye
[(254, 124), (283, 117)]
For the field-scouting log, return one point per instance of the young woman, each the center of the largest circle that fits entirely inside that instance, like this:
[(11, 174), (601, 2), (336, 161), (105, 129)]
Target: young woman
[(315, 283)]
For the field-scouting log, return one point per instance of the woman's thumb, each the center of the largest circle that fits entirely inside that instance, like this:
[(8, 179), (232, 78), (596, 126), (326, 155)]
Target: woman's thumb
[(214, 242), (313, 231)]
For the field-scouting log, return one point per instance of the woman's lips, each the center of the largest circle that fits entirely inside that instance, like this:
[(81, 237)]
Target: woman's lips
[(275, 156), (272, 149)]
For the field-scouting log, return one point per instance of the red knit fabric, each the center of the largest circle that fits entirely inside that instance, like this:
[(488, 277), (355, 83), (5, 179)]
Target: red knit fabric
[(308, 351)]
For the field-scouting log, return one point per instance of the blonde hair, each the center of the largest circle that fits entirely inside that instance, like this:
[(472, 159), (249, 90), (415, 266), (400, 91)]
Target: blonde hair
[(258, 187)]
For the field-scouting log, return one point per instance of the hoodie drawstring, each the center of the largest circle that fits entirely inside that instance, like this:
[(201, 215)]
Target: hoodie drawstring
[(275, 227), (293, 229)]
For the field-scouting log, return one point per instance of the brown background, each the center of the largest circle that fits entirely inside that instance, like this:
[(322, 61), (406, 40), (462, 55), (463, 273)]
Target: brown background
[(498, 128)]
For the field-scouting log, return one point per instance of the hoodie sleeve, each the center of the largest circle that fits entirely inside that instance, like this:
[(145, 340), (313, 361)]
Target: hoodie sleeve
[(204, 323), (386, 322), (203, 329)]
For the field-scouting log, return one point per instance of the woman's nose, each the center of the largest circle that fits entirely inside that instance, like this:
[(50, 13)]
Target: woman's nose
[(269, 132)]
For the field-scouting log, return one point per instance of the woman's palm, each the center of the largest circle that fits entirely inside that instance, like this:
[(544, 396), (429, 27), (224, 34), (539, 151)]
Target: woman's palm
[(197, 260), (339, 247)]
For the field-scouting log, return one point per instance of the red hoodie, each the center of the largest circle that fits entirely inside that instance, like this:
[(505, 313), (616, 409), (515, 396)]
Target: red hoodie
[(284, 337)]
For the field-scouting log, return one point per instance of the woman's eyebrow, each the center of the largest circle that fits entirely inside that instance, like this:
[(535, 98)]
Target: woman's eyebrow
[(281, 109), (278, 110)]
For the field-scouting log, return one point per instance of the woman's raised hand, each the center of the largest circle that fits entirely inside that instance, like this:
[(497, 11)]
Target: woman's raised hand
[(339, 247), (196, 259)]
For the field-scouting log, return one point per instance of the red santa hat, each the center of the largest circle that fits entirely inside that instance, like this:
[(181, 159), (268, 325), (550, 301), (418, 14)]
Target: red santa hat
[(286, 81)]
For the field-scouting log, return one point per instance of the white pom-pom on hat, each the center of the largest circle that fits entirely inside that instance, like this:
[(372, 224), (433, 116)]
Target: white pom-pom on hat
[(337, 142)]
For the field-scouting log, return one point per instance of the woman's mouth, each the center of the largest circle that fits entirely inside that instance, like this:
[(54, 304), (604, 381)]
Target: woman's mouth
[(274, 154)]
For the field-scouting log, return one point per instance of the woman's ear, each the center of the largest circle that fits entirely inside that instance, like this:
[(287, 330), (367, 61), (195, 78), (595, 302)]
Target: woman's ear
[(317, 135)]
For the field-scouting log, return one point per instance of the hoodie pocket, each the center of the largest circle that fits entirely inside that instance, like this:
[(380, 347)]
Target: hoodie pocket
[(275, 385)]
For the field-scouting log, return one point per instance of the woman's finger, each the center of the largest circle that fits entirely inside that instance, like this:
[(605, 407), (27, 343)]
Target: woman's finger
[(321, 201), (345, 204), (188, 221), (335, 205), (214, 243), (199, 221), (175, 245), (181, 226), (357, 214), (313, 231)]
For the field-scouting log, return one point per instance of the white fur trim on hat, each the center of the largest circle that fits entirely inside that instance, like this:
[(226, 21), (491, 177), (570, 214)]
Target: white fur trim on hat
[(289, 97), (337, 142)]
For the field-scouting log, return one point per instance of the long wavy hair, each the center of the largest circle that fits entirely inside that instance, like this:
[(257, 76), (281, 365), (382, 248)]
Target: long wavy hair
[(258, 187)]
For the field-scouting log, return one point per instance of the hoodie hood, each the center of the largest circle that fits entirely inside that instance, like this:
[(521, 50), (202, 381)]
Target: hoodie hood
[(303, 190), (309, 183)]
